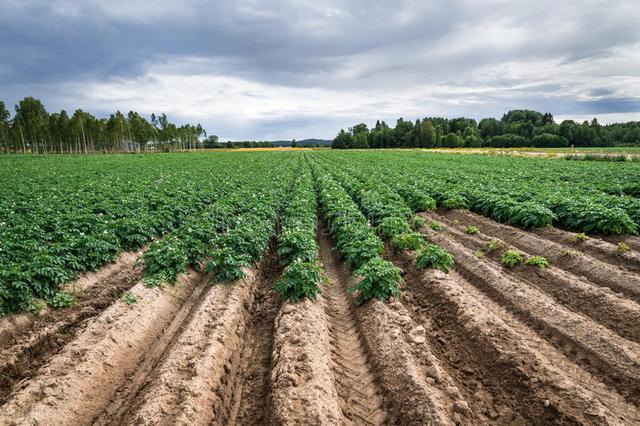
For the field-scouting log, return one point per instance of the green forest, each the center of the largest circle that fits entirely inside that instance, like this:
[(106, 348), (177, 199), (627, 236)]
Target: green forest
[(34, 130), (517, 128)]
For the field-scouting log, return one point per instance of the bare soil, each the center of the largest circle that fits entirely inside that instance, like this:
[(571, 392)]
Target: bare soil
[(483, 344)]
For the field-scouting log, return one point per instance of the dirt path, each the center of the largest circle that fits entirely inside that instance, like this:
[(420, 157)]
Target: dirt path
[(360, 397)]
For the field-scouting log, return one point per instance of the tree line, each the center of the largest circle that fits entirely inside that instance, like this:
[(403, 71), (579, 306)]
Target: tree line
[(34, 130), (517, 128)]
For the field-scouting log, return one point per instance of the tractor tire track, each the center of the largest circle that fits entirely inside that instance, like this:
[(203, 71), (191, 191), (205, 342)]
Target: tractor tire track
[(361, 399)]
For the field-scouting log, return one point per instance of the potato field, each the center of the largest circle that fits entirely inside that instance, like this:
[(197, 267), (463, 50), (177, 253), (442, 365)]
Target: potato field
[(318, 287)]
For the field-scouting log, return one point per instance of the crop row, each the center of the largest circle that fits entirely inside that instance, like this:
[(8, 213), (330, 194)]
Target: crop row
[(529, 193), (393, 218), (231, 233), (78, 214), (297, 246), (356, 240)]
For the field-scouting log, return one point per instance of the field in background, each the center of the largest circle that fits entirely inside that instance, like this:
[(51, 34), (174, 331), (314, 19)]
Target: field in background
[(345, 286), (632, 151)]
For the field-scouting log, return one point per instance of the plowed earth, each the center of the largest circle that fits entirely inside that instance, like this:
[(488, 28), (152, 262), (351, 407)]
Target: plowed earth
[(484, 344)]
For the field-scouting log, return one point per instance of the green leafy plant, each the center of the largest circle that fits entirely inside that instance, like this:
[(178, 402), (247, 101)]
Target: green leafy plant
[(568, 253), (227, 265), (393, 225), (538, 261), (165, 259), (494, 245), (478, 253), (129, 298), (300, 280), (511, 258), (435, 226), (455, 202), (408, 241), (580, 237), (433, 256), (471, 229), (622, 247), (380, 280), (61, 300), (417, 222), (37, 306)]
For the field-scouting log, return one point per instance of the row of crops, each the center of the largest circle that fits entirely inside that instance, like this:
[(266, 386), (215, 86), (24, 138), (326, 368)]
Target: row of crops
[(60, 216), (587, 197)]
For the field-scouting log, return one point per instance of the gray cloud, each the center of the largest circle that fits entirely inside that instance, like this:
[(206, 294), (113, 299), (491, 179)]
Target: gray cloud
[(271, 69)]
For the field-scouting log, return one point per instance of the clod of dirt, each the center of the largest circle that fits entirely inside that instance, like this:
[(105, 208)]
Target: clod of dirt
[(418, 335)]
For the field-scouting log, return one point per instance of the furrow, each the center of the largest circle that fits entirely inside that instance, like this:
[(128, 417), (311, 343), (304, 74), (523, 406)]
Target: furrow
[(397, 388), (600, 303), (86, 288), (83, 378), (596, 247), (597, 271), (615, 359), (49, 333), (511, 374)]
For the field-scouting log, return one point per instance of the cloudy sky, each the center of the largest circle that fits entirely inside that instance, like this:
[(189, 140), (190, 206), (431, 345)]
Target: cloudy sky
[(268, 69)]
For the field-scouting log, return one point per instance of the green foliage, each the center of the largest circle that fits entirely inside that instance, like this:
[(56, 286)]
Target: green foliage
[(494, 245), (471, 229), (539, 261), (300, 280), (455, 202), (380, 280), (72, 214), (417, 222), (393, 225), (37, 306), (61, 300), (165, 259), (435, 226), (590, 216), (622, 247), (511, 258), (407, 241), (227, 265), (356, 240), (297, 244), (432, 256), (129, 298), (580, 237)]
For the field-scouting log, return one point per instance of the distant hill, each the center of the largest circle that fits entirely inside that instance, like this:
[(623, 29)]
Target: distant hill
[(304, 142)]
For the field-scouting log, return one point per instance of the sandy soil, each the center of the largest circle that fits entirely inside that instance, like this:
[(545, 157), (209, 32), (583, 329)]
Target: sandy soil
[(484, 344)]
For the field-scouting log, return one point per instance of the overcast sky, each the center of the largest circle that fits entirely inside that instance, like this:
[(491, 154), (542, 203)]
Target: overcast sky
[(267, 69)]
